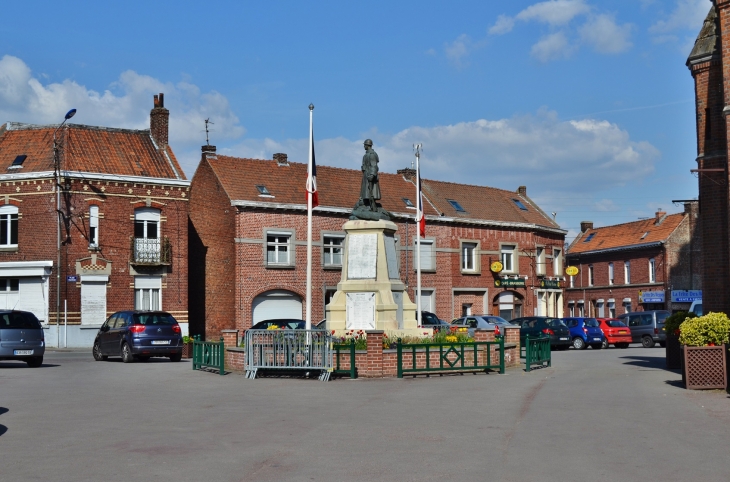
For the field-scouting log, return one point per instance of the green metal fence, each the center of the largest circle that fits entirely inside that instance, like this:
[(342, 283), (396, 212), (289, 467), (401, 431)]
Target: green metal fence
[(536, 351), (450, 357), (345, 348), (207, 354)]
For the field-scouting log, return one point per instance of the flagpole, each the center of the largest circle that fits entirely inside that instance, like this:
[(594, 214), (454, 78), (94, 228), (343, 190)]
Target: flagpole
[(419, 213), (309, 224)]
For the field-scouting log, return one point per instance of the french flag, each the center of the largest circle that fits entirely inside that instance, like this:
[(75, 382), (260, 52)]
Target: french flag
[(420, 216), (312, 174)]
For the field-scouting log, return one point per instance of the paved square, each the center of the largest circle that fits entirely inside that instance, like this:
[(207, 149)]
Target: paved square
[(595, 415)]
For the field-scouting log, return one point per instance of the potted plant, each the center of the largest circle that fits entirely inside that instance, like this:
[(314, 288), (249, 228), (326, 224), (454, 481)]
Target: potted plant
[(703, 339), (671, 327), (187, 351)]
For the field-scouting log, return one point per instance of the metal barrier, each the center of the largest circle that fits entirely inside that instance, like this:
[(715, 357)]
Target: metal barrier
[(451, 357), (207, 354), (289, 350), (537, 351), (345, 347)]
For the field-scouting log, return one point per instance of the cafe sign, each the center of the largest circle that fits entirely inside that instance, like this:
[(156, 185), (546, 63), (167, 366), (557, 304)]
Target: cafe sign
[(572, 270), (651, 297), (509, 283), (550, 284), (496, 267), (686, 296)]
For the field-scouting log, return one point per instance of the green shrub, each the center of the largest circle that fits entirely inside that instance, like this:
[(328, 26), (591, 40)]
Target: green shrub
[(671, 324), (711, 329)]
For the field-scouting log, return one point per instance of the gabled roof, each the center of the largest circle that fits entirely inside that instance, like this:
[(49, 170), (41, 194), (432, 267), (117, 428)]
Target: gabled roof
[(104, 150), (635, 234), (339, 188), (706, 43)]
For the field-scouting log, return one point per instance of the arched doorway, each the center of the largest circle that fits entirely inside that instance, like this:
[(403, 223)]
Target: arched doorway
[(508, 305), (276, 304)]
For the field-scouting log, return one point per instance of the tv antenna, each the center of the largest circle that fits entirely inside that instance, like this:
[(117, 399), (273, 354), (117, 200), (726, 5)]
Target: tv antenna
[(207, 121)]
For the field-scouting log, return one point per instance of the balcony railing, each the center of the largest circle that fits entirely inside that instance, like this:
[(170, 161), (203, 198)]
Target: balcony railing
[(151, 252)]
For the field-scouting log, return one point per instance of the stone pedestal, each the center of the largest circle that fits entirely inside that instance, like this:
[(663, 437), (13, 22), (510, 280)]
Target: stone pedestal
[(371, 295)]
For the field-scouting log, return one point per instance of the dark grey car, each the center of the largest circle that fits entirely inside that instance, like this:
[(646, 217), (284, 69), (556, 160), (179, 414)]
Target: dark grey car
[(21, 337), (139, 335), (646, 327)]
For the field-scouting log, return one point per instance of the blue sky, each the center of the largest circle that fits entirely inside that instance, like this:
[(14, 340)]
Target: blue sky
[(588, 103)]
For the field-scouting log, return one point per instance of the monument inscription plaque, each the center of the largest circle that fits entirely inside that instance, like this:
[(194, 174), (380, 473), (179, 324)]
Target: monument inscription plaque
[(362, 256), (360, 311), (390, 256)]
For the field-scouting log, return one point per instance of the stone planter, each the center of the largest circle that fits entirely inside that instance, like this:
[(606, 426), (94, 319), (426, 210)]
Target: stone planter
[(704, 367), (673, 352), (187, 351)]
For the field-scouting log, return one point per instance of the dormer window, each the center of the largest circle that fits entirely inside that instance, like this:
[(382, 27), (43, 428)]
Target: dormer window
[(262, 190), (408, 203), (519, 204), (590, 236), (456, 206)]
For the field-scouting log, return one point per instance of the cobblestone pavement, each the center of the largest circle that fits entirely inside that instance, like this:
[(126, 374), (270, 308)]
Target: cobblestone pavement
[(595, 415)]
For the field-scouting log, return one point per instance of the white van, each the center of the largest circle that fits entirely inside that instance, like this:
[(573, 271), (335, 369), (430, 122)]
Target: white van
[(696, 307)]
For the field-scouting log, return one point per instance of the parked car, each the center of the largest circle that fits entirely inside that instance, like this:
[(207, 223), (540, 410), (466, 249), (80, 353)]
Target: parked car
[(646, 327), (696, 307), (616, 332), (430, 320), (139, 335), (473, 322), (21, 337), (281, 324), (543, 325), (585, 332)]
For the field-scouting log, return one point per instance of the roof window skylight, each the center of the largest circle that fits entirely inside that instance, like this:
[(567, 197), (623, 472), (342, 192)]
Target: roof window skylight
[(408, 202), (262, 190), (456, 205), (644, 235), (519, 204), (590, 236), (19, 160)]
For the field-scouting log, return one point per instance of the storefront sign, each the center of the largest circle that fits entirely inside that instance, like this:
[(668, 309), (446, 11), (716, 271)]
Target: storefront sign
[(72, 278), (571, 270), (509, 283), (651, 297), (496, 267), (550, 284), (686, 296)]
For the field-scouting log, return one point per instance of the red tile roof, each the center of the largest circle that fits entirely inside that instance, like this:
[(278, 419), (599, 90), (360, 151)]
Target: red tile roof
[(123, 152), (626, 235), (340, 188)]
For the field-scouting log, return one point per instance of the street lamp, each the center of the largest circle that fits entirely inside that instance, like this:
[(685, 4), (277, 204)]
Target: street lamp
[(57, 176)]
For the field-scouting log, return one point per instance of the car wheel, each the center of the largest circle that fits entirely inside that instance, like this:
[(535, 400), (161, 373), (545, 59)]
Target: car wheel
[(127, 356), (647, 342), (578, 343), (663, 344), (176, 357), (604, 344), (96, 351), (35, 362)]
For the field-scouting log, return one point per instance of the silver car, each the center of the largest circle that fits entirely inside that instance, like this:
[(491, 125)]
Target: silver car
[(21, 337), (472, 322)]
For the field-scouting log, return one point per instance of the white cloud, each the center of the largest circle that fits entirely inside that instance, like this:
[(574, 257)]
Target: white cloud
[(687, 14), (606, 205), (552, 47), (537, 150), (504, 24), (458, 50), (126, 103), (554, 12), (605, 35)]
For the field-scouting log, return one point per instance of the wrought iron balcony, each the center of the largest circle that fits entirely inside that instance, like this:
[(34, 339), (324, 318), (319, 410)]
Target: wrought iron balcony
[(151, 252)]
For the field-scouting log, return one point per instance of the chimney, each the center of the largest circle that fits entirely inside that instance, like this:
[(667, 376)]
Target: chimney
[(159, 121), (659, 217), (209, 152), (585, 226), (407, 173), (281, 159), (522, 190)]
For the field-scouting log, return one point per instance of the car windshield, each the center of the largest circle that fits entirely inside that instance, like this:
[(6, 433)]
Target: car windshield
[(499, 320), (18, 320), (555, 323), (148, 319), (591, 322), (616, 324)]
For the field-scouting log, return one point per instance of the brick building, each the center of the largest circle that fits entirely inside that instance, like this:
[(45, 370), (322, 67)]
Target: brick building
[(707, 63), (121, 235), (637, 266), (248, 243)]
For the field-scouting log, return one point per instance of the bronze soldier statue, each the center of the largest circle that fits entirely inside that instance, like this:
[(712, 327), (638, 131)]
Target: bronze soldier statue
[(370, 187)]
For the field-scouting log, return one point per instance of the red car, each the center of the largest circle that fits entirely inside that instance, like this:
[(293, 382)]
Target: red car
[(616, 332)]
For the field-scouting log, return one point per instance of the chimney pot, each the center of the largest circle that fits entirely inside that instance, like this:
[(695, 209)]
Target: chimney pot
[(585, 226), (659, 217), (281, 159), (522, 190)]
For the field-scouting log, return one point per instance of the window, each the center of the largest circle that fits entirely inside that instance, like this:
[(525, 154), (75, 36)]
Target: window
[(262, 190), (147, 247), (557, 262), (147, 294), (508, 258), (590, 236), (644, 235), (627, 272), (9, 284), (652, 271), (278, 249), (611, 309), (19, 160), (581, 309), (627, 307), (428, 255), (572, 281), (519, 204), (456, 205), (8, 226), (408, 202), (332, 250), (93, 226), (610, 273), (590, 275), (540, 261), (468, 256)]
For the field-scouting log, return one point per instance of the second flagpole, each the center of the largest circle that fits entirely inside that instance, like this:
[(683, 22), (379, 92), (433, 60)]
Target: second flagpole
[(309, 223)]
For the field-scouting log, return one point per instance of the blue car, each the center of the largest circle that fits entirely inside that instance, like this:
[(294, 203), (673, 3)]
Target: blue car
[(584, 332)]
